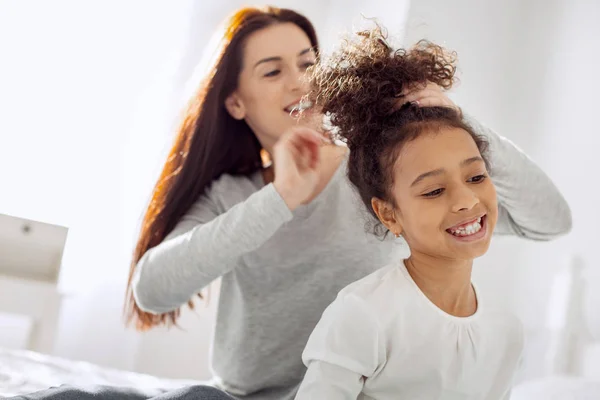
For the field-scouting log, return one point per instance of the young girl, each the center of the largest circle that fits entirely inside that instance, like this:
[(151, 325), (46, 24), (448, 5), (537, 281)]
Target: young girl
[(416, 328)]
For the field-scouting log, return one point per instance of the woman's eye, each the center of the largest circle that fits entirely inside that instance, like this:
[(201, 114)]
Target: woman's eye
[(272, 73), (434, 193), (307, 65)]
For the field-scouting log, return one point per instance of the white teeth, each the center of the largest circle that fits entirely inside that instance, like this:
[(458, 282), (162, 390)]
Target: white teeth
[(305, 104), (301, 106), (468, 229)]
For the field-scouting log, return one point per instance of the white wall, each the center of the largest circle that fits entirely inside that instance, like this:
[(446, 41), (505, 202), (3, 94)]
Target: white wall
[(95, 87), (71, 74), (527, 70), (572, 137)]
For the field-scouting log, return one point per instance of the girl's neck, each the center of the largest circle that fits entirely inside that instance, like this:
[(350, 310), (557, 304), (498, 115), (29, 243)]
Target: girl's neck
[(445, 282)]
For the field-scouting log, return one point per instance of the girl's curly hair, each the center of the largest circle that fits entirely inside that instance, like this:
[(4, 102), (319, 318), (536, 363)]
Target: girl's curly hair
[(359, 88)]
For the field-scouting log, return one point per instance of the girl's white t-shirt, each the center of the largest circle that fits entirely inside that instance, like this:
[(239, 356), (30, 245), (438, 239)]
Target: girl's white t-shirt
[(383, 339)]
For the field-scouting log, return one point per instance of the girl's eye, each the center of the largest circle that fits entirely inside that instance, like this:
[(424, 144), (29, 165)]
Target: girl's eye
[(477, 179), (434, 193)]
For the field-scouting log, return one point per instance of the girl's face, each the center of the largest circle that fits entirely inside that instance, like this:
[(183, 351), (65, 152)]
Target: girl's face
[(445, 202), (271, 83)]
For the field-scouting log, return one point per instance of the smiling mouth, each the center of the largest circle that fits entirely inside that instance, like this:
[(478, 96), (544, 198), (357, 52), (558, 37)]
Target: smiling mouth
[(470, 229), (296, 108)]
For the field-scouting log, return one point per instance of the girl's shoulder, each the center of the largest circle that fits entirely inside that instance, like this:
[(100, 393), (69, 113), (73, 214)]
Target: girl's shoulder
[(378, 288)]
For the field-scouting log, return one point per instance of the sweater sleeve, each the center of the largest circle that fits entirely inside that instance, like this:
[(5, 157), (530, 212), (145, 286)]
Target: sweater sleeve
[(204, 246), (529, 204)]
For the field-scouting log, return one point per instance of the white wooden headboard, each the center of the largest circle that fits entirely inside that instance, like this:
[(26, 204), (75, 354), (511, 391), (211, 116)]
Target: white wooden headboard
[(31, 250), (33, 308), (30, 261)]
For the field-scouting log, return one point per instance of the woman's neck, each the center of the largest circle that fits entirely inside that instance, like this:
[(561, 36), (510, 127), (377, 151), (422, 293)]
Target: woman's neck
[(447, 283)]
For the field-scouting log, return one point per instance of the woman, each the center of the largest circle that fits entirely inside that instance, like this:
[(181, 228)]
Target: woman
[(415, 328), (283, 237)]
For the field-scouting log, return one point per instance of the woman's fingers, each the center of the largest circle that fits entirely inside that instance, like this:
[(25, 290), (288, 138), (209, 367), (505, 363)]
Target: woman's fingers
[(306, 143), (421, 94), (430, 95)]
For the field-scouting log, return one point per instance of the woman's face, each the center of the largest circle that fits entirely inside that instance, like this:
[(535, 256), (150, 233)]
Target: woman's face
[(271, 83), (445, 201)]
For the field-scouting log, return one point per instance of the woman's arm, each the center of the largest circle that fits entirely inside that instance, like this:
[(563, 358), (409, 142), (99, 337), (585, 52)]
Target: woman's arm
[(204, 246), (529, 204)]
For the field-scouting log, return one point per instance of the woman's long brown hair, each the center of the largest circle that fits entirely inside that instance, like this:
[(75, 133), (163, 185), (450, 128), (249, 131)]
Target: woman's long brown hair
[(209, 143)]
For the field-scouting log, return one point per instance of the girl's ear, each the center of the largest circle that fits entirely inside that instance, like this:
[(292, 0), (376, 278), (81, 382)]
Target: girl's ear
[(386, 213)]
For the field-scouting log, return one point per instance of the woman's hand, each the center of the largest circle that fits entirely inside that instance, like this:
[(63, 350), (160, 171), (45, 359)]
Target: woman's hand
[(297, 161), (431, 95)]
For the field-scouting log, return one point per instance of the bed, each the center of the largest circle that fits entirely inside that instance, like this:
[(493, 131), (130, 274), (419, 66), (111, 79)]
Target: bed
[(24, 372)]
